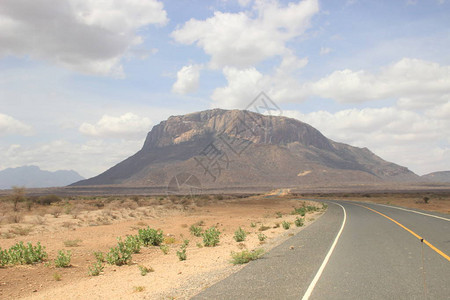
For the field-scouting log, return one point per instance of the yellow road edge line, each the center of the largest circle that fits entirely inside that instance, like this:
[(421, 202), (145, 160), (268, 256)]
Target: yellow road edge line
[(410, 231)]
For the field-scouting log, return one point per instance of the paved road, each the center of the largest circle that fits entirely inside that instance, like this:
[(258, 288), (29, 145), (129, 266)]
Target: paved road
[(376, 255)]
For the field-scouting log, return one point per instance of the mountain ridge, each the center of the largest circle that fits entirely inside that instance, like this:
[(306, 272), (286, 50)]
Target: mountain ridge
[(254, 148), (440, 176), (34, 177)]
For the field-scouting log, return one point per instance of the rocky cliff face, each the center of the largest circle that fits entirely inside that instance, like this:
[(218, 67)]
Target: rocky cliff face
[(233, 147)]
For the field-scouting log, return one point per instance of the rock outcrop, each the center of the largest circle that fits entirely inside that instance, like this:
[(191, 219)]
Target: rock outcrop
[(242, 148)]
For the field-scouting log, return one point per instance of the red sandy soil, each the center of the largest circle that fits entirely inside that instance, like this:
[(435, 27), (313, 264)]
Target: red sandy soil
[(97, 230)]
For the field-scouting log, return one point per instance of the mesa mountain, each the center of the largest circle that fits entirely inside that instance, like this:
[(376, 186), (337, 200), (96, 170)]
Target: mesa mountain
[(34, 177), (241, 148)]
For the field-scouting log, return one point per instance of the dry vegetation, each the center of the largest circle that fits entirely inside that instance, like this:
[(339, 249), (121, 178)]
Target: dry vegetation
[(78, 234)]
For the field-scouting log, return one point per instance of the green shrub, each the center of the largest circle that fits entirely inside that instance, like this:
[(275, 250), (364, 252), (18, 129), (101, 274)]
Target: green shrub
[(4, 257), (144, 270), (63, 259), (253, 225), (262, 237), (311, 208), (240, 235), (195, 230), (150, 236), (99, 256), (21, 254), (279, 214), (182, 254), (286, 225), (96, 269), (133, 243), (164, 249), (245, 256), (298, 222), (211, 237), (299, 211), (119, 255), (324, 206)]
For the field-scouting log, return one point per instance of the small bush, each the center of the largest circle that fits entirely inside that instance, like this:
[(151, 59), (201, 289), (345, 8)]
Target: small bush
[(277, 225), (262, 237), (311, 208), (169, 240), (139, 289), (99, 256), (96, 269), (48, 199), (286, 225), (182, 254), (119, 255), (426, 200), (195, 230), (299, 211), (263, 228), (144, 270), (240, 235), (279, 214), (298, 222), (63, 259), (211, 237), (151, 237), (253, 225), (245, 256), (164, 249), (57, 276), (21, 254), (133, 243)]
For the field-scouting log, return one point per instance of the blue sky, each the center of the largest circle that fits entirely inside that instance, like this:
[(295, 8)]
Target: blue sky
[(82, 82)]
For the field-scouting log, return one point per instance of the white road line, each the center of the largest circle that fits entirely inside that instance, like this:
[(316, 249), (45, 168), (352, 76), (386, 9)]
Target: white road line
[(417, 212), (313, 283)]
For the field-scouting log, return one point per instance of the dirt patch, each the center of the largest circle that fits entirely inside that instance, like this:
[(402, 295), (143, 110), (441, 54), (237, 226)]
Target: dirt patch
[(87, 230)]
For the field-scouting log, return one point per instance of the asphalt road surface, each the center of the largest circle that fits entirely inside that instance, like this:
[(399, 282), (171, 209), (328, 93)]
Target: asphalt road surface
[(354, 251)]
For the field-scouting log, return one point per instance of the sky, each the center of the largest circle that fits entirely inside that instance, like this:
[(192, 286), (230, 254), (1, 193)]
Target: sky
[(83, 81)]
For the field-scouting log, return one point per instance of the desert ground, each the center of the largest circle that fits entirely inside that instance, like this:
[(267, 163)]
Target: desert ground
[(84, 225), (87, 224)]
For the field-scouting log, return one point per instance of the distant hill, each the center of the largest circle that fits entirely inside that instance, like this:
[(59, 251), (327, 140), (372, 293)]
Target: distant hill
[(34, 177), (443, 176), (230, 148)]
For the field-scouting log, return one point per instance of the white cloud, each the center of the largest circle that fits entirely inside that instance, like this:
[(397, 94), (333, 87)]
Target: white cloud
[(415, 81), (243, 85), (187, 80), (11, 126), (84, 35), (128, 126), (324, 50), (411, 139), (246, 38)]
